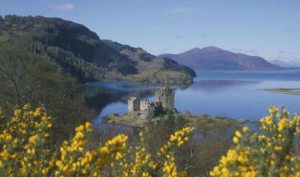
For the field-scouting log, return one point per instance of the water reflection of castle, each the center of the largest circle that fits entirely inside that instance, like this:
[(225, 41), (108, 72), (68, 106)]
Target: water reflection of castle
[(164, 98)]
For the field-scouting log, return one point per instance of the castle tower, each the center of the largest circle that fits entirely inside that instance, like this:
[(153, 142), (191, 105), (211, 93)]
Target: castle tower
[(166, 96), (133, 104)]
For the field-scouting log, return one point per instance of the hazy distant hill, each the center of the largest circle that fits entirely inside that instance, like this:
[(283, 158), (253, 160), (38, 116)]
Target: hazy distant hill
[(285, 63), (78, 50), (215, 58)]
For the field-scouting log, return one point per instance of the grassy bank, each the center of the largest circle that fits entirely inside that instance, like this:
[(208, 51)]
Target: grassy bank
[(160, 77), (130, 119), (203, 122)]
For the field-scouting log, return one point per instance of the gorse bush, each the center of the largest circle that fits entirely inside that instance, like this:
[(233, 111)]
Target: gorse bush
[(25, 151), (271, 154)]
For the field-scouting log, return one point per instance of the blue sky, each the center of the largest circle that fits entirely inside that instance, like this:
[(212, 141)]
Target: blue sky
[(267, 28)]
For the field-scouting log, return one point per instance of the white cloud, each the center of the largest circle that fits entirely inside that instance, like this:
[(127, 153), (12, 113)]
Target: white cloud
[(63, 7), (180, 10)]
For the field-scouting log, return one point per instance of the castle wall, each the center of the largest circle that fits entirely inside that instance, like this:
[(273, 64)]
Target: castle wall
[(150, 108), (169, 100), (144, 105), (157, 96), (133, 104), (166, 97)]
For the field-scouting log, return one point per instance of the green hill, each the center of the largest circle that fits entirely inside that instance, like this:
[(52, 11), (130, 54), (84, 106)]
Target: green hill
[(148, 62), (76, 49)]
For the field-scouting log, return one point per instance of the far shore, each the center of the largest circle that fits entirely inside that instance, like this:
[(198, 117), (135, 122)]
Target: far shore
[(291, 91)]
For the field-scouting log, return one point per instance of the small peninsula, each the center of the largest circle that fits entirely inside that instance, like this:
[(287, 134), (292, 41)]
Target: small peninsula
[(291, 91)]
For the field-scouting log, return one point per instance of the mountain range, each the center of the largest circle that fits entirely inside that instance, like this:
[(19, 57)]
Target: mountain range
[(213, 58)]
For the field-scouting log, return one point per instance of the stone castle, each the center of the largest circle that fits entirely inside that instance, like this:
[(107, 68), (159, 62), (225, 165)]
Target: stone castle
[(164, 97)]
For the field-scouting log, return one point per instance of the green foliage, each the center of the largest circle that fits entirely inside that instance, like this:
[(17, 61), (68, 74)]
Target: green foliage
[(26, 77), (137, 54), (161, 76), (24, 150), (83, 71), (74, 47), (117, 46), (273, 153), (172, 122), (174, 66), (146, 57), (130, 119), (169, 61), (77, 50)]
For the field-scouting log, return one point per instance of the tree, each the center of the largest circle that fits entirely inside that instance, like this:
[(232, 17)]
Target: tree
[(26, 77), (15, 81)]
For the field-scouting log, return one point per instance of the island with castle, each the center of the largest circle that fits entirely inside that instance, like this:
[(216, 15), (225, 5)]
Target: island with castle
[(140, 111), (164, 98)]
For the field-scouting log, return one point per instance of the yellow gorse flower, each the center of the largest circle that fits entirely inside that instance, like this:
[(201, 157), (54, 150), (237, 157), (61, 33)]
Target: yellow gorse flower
[(270, 154), (24, 151), (143, 165)]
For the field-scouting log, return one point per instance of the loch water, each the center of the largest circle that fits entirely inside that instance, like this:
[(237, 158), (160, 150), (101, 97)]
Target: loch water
[(233, 94)]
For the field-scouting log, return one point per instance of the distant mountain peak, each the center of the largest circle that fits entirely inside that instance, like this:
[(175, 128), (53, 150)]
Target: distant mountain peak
[(205, 49), (194, 49), (213, 58)]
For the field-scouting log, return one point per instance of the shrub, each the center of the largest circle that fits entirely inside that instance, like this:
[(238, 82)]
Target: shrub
[(24, 151), (270, 154), (146, 57)]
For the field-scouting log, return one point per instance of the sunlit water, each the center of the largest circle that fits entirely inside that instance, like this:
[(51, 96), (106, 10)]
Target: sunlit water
[(233, 94)]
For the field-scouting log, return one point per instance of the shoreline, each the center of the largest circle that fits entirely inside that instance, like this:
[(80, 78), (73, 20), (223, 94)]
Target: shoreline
[(132, 120)]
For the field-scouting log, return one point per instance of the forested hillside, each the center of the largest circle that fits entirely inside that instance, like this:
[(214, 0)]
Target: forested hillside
[(74, 47)]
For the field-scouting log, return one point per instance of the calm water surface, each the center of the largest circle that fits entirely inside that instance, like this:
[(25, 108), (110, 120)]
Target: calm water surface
[(218, 93)]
